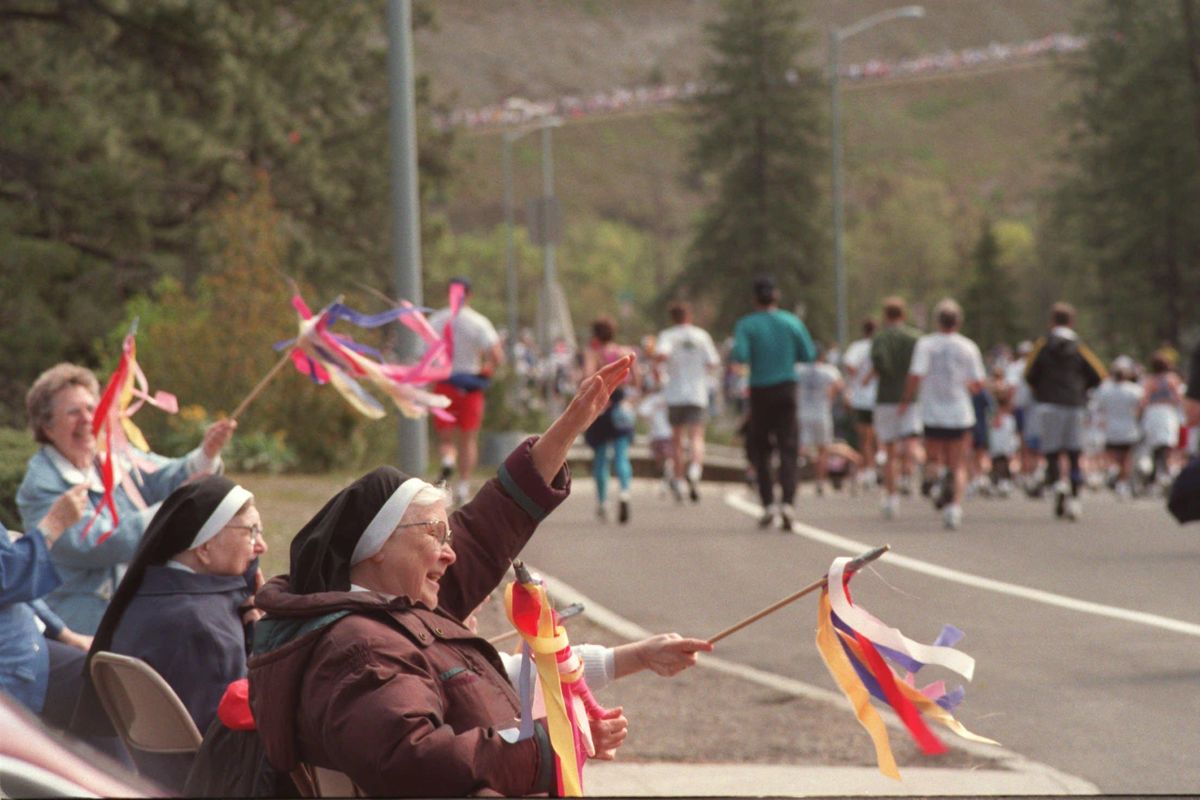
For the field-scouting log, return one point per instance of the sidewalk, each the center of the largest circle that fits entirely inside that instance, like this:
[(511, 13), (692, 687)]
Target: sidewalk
[(614, 779), (750, 767)]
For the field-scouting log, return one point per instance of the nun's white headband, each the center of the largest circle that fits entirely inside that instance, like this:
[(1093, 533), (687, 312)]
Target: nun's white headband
[(386, 520), (226, 510)]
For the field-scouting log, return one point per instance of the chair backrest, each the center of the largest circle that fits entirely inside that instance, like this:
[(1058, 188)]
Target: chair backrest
[(143, 707), (314, 781)]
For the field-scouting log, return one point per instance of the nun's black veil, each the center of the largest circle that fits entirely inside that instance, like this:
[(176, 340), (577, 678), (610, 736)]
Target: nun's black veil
[(171, 532), (322, 550)]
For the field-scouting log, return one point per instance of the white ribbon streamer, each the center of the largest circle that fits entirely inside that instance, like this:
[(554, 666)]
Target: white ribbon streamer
[(879, 633)]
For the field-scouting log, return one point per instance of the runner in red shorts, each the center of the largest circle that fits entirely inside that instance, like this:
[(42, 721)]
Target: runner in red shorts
[(477, 353)]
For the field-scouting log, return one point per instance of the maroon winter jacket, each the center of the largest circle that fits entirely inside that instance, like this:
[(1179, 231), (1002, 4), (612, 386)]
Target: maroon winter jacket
[(406, 701)]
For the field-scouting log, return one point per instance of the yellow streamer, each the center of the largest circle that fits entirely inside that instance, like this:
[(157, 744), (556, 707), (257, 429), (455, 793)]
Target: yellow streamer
[(562, 736), (843, 673)]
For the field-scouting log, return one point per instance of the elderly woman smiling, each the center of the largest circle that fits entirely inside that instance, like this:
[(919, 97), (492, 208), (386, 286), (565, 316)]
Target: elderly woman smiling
[(60, 405), (365, 664)]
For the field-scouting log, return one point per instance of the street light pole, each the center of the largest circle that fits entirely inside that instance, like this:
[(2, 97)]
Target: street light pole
[(839, 258), (406, 209), (548, 236), (510, 137), (836, 37), (510, 261)]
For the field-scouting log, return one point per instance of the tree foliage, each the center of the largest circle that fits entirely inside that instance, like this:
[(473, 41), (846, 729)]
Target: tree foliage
[(903, 238), (1123, 225), (211, 346), (760, 146), (127, 123), (990, 298)]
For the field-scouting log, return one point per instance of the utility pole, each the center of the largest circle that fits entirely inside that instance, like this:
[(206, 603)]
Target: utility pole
[(413, 456)]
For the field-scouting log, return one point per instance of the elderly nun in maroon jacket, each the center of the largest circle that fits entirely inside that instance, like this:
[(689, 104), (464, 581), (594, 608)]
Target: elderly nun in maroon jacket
[(364, 664), (185, 606)]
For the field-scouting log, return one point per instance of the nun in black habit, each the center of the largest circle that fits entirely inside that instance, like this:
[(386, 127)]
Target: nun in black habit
[(185, 607)]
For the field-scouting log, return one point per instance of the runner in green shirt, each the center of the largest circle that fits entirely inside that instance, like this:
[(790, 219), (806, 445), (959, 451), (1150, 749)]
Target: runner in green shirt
[(896, 426)]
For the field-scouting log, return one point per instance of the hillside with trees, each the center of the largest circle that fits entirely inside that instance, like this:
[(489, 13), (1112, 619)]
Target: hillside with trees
[(172, 160)]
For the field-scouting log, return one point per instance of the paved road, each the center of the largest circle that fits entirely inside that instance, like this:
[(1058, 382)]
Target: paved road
[(1105, 689)]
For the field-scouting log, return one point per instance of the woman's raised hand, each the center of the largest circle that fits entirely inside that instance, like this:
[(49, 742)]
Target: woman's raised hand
[(550, 451)]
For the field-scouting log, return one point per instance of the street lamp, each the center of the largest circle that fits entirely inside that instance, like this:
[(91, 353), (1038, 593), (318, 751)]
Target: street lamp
[(836, 37), (544, 125), (406, 209)]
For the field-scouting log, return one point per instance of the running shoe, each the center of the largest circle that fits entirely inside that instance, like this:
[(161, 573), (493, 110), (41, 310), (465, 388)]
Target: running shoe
[(891, 506), (1073, 509), (952, 516)]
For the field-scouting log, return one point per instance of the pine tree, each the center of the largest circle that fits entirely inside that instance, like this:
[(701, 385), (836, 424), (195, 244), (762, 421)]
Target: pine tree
[(759, 143), (989, 303), (1124, 225), (126, 126)]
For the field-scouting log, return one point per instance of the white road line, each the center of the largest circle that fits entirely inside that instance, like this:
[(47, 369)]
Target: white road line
[(854, 547)]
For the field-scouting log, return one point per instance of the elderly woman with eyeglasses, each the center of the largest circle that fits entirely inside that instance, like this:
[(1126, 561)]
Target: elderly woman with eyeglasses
[(185, 607), (364, 663), (60, 405)]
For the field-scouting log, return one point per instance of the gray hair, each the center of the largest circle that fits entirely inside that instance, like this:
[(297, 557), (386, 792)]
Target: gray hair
[(430, 495), (39, 400)]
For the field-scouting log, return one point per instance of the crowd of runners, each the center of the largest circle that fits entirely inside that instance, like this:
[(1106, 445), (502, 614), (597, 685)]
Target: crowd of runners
[(900, 414)]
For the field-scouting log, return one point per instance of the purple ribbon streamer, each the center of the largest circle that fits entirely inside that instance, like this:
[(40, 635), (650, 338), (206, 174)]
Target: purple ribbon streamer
[(338, 311), (526, 693)]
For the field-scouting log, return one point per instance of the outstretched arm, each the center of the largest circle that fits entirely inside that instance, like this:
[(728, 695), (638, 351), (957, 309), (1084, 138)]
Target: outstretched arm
[(666, 654), (549, 452)]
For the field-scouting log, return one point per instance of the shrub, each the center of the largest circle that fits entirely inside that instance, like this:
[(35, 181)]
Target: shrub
[(16, 446)]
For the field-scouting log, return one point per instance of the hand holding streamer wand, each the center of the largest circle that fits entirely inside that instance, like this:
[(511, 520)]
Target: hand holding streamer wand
[(858, 563)]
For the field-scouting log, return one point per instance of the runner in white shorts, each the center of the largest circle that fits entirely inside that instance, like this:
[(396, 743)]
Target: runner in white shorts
[(816, 386)]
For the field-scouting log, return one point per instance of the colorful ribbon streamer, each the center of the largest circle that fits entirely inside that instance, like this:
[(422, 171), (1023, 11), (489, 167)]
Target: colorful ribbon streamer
[(569, 703), (332, 358), (122, 439), (853, 644)]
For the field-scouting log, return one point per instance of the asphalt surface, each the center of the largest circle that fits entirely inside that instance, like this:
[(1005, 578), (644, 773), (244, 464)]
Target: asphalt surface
[(1086, 635)]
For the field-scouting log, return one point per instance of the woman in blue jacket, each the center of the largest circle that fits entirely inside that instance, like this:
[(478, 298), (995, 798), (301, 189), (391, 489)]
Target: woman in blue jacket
[(60, 405), (41, 670)]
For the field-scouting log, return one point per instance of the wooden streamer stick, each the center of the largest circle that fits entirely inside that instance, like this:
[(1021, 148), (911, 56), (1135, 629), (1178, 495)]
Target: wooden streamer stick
[(851, 568), (287, 356)]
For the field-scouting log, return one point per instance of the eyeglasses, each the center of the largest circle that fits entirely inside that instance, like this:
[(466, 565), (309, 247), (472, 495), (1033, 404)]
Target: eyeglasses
[(440, 529), (256, 531)]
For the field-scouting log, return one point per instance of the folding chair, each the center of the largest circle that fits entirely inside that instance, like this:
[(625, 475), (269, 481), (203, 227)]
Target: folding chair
[(143, 707), (321, 782)]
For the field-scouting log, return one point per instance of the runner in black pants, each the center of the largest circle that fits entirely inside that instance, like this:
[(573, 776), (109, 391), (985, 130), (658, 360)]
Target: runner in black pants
[(770, 341)]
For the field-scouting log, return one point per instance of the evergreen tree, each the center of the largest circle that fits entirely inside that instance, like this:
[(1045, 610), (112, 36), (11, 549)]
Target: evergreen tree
[(989, 303), (126, 125), (759, 143), (1123, 228)]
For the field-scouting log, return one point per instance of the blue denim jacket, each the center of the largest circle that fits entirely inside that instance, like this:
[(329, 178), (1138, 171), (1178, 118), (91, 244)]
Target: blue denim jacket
[(90, 572), (25, 575)]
